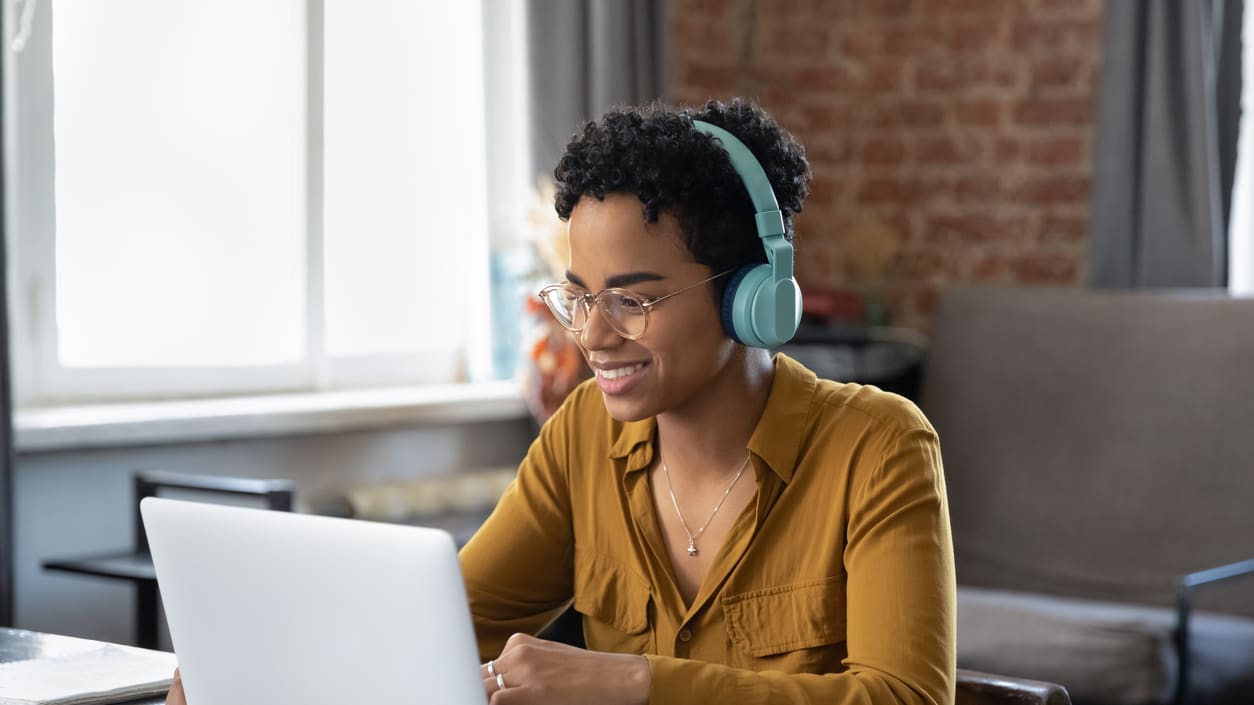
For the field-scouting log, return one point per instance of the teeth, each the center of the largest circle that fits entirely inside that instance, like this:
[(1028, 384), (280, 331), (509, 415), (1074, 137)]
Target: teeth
[(620, 372)]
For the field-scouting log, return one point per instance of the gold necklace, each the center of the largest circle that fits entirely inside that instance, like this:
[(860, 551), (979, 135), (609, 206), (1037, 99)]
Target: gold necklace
[(692, 537)]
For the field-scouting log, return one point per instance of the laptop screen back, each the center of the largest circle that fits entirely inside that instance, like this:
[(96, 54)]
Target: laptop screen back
[(267, 607)]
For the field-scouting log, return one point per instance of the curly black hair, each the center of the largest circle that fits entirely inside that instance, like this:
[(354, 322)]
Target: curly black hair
[(655, 153)]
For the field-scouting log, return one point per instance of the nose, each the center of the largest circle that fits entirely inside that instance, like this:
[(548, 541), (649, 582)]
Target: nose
[(599, 334)]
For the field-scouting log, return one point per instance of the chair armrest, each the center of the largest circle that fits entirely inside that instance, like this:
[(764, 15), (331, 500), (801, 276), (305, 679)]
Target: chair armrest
[(1214, 575), (1185, 584), (976, 688)]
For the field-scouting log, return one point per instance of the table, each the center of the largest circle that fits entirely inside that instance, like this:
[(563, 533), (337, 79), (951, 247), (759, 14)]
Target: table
[(24, 645)]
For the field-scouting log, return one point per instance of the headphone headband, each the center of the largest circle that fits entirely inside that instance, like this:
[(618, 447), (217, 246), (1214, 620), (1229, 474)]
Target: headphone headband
[(762, 306), (753, 176)]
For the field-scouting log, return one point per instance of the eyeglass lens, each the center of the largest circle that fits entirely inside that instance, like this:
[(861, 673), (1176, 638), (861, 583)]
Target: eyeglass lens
[(624, 313)]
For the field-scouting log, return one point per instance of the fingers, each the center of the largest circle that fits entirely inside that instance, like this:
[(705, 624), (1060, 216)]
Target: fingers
[(175, 696), (494, 685), (493, 672)]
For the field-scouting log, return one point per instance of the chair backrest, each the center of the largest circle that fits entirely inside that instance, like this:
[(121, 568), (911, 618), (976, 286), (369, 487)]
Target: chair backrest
[(1095, 444), (276, 494), (975, 688)]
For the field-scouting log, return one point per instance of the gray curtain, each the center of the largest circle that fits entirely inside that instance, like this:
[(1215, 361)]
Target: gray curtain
[(586, 56), (6, 416), (1166, 143)]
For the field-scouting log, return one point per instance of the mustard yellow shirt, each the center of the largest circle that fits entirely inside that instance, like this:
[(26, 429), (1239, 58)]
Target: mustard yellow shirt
[(836, 585)]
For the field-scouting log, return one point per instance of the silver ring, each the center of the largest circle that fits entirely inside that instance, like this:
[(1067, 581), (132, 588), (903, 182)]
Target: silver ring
[(491, 669), (500, 682)]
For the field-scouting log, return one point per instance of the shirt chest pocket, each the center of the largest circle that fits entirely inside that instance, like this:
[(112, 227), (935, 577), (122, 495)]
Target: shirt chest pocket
[(797, 628), (614, 603)]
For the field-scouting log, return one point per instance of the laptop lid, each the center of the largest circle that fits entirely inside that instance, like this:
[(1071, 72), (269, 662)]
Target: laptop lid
[(272, 607)]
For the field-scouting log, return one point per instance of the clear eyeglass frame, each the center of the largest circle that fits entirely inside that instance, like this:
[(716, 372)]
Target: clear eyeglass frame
[(625, 311)]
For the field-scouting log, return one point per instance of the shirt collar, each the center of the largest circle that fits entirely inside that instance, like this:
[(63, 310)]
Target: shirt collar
[(777, 437)]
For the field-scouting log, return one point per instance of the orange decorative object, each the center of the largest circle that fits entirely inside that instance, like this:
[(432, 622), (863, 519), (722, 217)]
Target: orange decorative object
[(553, 364)]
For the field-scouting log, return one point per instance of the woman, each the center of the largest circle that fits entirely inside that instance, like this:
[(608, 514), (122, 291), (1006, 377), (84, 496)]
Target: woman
[(731, 528)]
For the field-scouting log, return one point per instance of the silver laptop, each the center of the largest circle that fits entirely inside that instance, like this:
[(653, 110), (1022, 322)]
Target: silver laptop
[(272, 607)]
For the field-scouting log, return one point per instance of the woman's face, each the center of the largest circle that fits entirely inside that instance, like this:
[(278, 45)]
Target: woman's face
[(684, 348)]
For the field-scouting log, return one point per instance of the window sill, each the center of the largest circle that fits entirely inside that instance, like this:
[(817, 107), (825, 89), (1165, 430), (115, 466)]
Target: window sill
[(54, 428)]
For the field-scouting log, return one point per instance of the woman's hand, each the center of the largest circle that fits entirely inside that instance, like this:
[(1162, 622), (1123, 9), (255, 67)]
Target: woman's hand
[(548, 673), (175, 696)]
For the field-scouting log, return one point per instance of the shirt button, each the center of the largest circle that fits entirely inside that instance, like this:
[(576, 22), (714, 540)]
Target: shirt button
[(685, 635)]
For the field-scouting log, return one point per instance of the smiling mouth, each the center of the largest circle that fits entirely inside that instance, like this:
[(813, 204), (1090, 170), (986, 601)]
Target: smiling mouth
[(620, 372)]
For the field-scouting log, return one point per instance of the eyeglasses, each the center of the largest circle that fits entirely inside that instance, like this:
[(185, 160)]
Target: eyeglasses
[(627, 313)]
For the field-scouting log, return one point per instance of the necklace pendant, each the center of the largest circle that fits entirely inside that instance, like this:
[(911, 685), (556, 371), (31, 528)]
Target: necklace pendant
[(692, 548)]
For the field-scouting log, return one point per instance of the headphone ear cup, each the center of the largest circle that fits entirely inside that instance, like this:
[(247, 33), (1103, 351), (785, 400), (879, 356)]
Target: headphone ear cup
[(727, 312), (757, 310)]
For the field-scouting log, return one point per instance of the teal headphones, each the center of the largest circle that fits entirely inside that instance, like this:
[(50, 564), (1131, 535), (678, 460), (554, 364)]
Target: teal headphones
[(762, 304)]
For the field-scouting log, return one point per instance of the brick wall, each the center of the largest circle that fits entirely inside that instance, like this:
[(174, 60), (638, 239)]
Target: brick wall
[(951, 140)]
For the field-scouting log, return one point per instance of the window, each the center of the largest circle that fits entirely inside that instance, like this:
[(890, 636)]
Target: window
[(229, 197), (1241, 225)]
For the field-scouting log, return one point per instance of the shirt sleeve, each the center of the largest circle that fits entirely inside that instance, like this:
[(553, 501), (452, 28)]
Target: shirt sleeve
[(901, 600), (518, 567)]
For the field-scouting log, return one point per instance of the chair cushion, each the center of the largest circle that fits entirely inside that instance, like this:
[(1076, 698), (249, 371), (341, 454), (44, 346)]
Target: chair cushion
[(1103, 652)]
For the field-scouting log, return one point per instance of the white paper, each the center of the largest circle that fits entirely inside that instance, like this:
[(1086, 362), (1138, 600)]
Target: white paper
[(100, 674)]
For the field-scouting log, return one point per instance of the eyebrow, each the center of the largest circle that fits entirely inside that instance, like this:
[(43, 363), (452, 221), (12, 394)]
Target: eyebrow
[(618, 280)]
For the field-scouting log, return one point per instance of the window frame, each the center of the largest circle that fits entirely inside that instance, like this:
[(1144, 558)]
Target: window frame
[(41, 381)]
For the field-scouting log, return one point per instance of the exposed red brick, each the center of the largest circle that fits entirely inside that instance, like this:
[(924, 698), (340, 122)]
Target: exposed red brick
[(832, 148), (919, 113), (858, 44), (888, 8), (1055, 189), (881, 152), (965, 75), (964, 124), (899, 224), (915, 40), (881, 190), (1056, 150), (711, 7), (820, 78), (1057, 228), (978, 113), (823, 191), (944, 150), (1055, 111), (793, 42), (883, 76), (830, 116), (700, 36), (716, 78), (976, 229), (1057, 7), (1043, 268), (978, 189), (970, 38), (984, 8), (1057, 71), (987, 268), (925, 300), (926, 266), (1052, 34), (937, 77), (1007, 149)]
